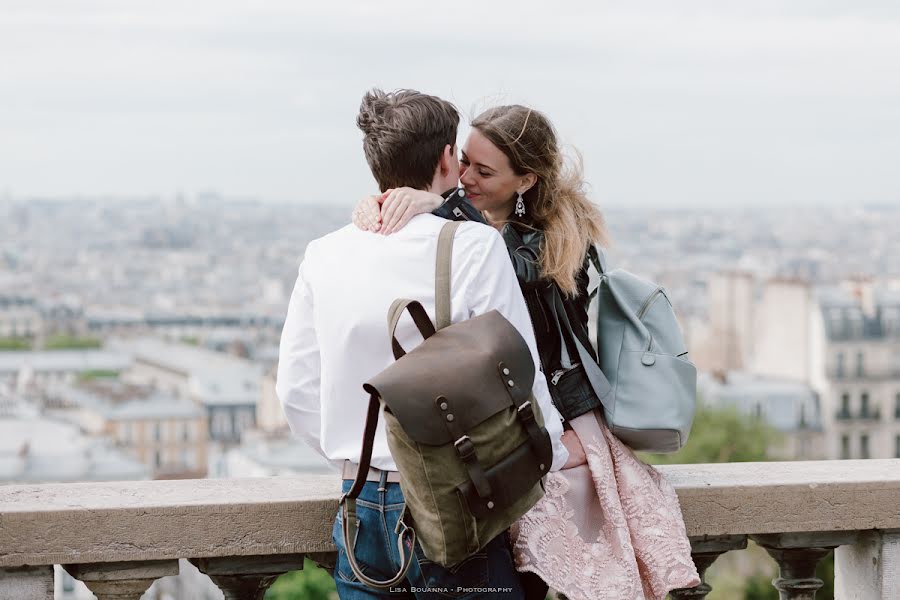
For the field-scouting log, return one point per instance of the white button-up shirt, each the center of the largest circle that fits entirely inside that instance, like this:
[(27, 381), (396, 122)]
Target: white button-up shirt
[(335, 336)]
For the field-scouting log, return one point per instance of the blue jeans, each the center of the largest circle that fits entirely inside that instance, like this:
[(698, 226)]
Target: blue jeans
[(489, 573)]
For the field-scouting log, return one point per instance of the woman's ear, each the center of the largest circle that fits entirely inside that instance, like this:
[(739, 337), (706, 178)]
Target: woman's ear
[(526, 183)]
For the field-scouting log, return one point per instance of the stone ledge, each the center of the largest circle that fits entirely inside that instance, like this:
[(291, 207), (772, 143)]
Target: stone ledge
[(788, 497), (155, 520)]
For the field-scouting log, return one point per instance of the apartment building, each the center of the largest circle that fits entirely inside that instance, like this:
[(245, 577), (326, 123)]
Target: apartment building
[(226, 387), (863, 370), (166, 433), (20, 317), (790, 406)]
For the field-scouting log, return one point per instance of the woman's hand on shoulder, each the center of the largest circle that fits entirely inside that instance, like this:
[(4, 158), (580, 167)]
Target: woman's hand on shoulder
[(367, 214), (402, 204)]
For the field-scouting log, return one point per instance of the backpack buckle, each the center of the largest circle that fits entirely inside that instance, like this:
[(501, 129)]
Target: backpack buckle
[(525, 408), (464, 447)]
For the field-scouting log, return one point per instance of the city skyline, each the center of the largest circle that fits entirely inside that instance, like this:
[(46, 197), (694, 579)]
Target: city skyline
[(164, 167)]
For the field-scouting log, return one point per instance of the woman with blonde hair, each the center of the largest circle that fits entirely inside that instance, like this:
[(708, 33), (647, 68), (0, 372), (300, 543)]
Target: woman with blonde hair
[(609, 526)]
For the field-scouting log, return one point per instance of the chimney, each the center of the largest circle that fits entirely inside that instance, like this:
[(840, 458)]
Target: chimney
[(864, 292)]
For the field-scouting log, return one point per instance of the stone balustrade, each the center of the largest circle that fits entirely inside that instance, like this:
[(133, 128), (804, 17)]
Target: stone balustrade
[(119, 537)]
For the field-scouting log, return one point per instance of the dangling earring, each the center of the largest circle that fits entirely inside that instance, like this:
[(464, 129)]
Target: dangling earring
[(520, 206)]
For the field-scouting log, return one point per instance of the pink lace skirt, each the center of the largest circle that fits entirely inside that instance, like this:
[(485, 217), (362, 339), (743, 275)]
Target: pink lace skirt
[(608, 530)]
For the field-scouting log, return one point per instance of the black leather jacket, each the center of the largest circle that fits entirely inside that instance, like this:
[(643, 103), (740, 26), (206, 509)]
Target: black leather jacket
[(524, 245)]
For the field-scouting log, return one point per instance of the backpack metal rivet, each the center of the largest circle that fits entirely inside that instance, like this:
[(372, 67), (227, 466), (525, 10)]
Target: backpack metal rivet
[(506, 371), (511, 383), (490, 504), (542, 467), (449, 417), (443, 406)]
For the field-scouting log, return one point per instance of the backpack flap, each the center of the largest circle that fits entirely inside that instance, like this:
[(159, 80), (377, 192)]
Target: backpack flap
[(492, 370)]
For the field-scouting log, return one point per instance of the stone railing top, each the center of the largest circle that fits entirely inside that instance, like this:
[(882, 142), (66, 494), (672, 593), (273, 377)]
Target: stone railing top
[(188, 494), (813, 474), (103, 522), (788, 497)]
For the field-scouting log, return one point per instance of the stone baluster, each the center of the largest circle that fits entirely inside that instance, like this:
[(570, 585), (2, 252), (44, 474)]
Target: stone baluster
[(870, 568), (797, 555), (27, 583), (704, 551), (122, 580), (247, 577)]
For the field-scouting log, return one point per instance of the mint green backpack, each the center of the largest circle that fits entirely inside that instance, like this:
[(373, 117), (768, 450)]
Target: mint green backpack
[(644, 380)]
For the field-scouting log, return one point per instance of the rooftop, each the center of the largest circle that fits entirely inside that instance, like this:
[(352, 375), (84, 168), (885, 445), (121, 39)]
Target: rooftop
[(867, 313), (181, 357), (36, 449), (780, 400), (281, 454), (214, 378), (74, 361), (119, 401)]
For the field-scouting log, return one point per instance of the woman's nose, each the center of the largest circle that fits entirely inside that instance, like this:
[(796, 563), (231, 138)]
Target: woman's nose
[(463, 176)]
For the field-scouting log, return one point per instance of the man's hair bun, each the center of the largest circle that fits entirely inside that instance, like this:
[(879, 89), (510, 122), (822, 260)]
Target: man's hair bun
[(372, 111)]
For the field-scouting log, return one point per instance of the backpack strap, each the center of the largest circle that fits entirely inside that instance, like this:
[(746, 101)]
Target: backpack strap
[(464, 447), (419, 316), (349, 522), (596, 258), (598, 380), (442, 274)]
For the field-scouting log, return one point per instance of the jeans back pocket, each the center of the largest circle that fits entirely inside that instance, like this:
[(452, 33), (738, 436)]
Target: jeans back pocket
[(456, 581)]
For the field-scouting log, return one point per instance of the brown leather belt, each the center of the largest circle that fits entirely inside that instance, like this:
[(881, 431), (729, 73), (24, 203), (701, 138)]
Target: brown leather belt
[(351, 468)]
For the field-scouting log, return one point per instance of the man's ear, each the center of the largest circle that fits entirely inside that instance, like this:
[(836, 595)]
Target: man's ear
[(526, 183), (447, 157)]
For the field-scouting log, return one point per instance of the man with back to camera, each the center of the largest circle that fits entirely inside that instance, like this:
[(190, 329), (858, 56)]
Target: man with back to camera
[(335, 338)]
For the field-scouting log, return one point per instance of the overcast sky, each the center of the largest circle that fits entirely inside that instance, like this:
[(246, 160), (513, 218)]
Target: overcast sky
[(671, 103)]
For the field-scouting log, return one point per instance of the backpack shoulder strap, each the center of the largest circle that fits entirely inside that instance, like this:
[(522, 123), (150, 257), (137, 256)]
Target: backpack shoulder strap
[(595, 376), (349, 522), (442, 274), (596, 257)]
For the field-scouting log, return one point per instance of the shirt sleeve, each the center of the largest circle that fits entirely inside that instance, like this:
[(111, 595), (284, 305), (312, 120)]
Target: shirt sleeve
[(491, 284), (299, 366)]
